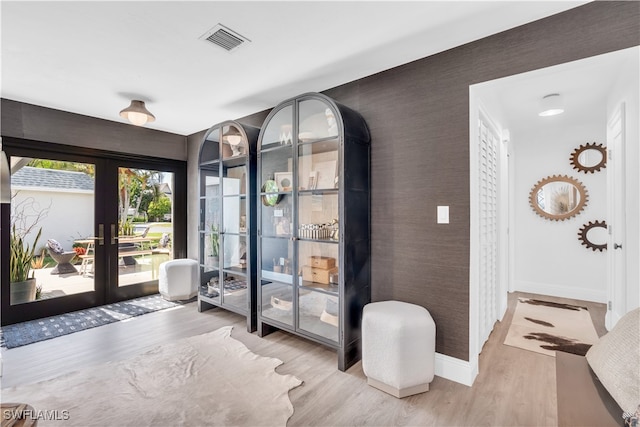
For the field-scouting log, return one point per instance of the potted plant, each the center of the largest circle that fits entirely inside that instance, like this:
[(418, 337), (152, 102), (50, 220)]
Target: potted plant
[(23, 287)]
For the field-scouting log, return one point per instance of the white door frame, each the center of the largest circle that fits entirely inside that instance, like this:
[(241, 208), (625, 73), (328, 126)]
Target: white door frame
[(616, 271), (476, 109)]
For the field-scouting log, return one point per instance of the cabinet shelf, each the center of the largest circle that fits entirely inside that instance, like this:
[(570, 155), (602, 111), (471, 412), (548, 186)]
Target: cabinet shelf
[(314, 165), (333, 290), (240, 271), (319, 192), (318, 146), (234, 161), (277, 147), (303, 239), (209, 163)]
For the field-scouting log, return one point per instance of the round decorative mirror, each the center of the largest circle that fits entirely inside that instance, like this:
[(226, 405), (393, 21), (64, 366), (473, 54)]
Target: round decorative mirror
[(590, 157), (558, 197), (594, 235)]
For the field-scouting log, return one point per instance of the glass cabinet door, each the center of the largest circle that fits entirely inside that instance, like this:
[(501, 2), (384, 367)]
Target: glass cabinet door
[(228, 227), (317, 120), (279, 131), (210, 226), (318, 288), (276, 266), (317, 217)]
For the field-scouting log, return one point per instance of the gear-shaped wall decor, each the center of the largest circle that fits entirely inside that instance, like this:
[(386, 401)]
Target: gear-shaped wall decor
[(583, 235), (558, 197), (600, 160)]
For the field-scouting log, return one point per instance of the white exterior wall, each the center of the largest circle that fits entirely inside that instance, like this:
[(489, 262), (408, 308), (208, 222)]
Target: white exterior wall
[(70, 215)]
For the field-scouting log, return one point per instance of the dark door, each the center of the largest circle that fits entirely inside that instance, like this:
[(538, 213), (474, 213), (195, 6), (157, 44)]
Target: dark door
[(104, 224)]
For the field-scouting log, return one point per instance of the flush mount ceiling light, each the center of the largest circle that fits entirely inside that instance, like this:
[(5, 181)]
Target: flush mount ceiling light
[(551, 105), (137, 113)]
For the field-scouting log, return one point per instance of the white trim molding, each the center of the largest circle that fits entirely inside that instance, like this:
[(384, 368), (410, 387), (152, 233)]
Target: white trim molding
[(457, 370), (577, 292)]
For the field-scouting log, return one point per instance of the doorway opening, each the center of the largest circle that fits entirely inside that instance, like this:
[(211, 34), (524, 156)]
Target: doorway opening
[(538, 255), (86, 227)]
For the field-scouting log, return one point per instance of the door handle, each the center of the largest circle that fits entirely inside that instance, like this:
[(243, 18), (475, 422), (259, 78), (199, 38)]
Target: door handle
[(113, 234), (100, 238), (617, 246)]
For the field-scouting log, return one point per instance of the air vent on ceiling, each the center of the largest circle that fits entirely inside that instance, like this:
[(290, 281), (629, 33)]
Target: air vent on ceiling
[(224, 37)]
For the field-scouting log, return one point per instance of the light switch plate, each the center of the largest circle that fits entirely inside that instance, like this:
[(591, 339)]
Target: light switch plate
[(443, 214)]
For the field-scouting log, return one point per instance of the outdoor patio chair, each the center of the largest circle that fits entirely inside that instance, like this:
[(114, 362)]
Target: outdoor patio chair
[(61, 257)]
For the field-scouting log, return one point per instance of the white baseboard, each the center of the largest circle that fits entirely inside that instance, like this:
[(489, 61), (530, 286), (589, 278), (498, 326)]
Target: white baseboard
[(457, 370), (593, 295)]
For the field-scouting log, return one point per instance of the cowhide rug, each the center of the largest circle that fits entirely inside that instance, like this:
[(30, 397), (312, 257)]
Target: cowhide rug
[(206, 380), (546, 327)]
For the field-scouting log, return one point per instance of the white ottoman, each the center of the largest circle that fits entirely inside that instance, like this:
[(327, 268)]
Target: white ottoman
[(178, 279), (398, 347)]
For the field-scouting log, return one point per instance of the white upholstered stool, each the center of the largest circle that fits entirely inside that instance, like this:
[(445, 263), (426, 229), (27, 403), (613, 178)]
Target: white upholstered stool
[(178, 279), (398, 347)]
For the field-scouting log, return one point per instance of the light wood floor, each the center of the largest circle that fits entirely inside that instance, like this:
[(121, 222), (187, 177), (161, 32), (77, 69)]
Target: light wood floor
[(514, 388)]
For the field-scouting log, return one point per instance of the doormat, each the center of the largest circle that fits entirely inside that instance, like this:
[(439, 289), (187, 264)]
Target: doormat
[(24, 333), (546, 327)]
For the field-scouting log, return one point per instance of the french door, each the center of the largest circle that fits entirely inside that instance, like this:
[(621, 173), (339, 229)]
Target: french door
[(104, 223)]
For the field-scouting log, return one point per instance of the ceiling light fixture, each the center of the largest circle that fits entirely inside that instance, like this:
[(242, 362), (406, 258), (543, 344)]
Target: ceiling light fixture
[(551, 105), (137, 113)]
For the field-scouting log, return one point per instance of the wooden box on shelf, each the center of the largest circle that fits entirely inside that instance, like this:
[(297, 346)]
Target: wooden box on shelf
[(324, 262), (318, 275)]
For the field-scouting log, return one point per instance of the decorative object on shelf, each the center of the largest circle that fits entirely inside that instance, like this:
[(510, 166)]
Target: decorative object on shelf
[(284, 180), (286, 138), (214, 241), (331, 121), (213, 286), (233, 138), (313, 181), (273, 198), (590, 157), (315, 231), (137, 113), (335, 234), (588, 237), (325, 262), (318, 275), (282, 302), (243, 254), (326, 174), (558, 197)]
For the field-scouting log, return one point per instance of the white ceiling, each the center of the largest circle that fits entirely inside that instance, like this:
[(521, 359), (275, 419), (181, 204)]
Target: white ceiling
[(92, 57), (584, 86)]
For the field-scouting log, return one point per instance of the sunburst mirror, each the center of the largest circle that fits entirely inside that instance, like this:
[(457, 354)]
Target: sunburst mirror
[(558, 197)]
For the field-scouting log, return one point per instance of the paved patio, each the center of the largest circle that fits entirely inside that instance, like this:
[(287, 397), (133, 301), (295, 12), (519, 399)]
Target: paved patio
[(57, 285)]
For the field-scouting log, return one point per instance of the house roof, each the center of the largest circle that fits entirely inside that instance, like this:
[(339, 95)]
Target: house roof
[(50, 178)]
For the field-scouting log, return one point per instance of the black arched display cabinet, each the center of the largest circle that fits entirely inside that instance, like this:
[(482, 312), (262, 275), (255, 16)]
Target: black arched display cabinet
[(313, 260), (227, 229)]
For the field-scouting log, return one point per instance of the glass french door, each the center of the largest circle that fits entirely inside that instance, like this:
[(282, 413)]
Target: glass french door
[(141, 230), (83, 230)]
